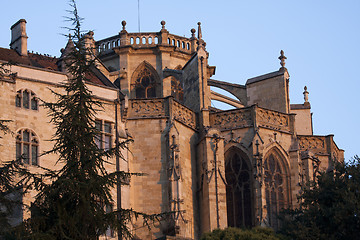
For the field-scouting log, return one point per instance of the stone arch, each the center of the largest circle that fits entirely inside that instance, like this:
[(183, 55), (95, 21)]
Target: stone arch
[(239, 190), (145, 82), (277, 184)]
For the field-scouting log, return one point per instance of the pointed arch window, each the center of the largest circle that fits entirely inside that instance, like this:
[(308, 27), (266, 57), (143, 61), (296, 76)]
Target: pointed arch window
[(276, 188), (27, 146), (238, 190), (145, 84), (26, 99)]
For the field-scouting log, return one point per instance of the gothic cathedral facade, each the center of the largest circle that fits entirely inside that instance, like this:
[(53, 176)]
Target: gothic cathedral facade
[(209, 168)]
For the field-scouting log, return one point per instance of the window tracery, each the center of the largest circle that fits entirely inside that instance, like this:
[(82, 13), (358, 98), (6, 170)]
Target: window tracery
[(145, 84), (27, 147), (26, 99), (238, 190), (275, 188)]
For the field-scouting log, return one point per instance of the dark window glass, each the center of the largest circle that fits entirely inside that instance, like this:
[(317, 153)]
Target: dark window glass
[(107, 127), (34, 104), (26, 99), (238, 191), (26, 153), (18, 150), (26, 136), (34, 154), (145, 84), (18, 100), (103, 138), (28, 147), (275, 184)]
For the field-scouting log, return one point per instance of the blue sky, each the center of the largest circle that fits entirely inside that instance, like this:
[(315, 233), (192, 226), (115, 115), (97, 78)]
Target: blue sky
[(321, 40)]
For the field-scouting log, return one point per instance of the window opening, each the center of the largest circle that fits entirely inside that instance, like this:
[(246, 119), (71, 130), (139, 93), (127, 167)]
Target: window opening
[(145, 84), (104, 136), (238, 191), (26, 99), (275, 185), (27, 146)]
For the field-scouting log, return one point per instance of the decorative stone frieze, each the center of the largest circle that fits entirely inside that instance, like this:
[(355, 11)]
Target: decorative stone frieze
[(239, 118), (146, 108), (159, 108), (314, 143), (272, 119), (183, 114)]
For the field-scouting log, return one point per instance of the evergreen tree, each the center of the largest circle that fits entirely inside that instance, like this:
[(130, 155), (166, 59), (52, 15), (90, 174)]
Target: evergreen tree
[(8, 173), (71, 202), (330, 206)]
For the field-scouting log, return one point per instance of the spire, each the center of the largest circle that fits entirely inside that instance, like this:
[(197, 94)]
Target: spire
[(201, 43), (199, 31), (282, 60)]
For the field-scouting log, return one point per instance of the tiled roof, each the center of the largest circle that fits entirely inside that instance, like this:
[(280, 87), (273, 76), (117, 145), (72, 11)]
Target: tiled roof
[(34, 60), (41, 61)]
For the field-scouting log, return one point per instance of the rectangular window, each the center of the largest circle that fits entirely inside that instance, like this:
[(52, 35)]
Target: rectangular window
[(104, 137)]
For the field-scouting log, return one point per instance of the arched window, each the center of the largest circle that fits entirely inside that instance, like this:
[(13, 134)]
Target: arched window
[(176, 89), (275, 188), (26, 99), (144, 83), (27, 146), (238, 189)]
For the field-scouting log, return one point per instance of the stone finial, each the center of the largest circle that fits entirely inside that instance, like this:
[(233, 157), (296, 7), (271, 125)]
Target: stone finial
[(306, 95), (163, 29), (123, 23), (199, 30), (282, 60), (200, 42), (193, 32), (123, 31)]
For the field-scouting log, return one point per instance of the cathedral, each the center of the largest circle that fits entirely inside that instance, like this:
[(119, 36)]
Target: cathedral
[(208, 168)]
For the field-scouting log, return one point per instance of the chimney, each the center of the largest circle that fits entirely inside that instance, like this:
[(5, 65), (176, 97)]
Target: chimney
[(19, 37)]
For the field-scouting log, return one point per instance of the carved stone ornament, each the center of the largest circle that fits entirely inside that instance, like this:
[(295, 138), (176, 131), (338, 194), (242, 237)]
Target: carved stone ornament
[(239, 118), (272, 119), (147, 108), (183, 115), (312, 143)]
